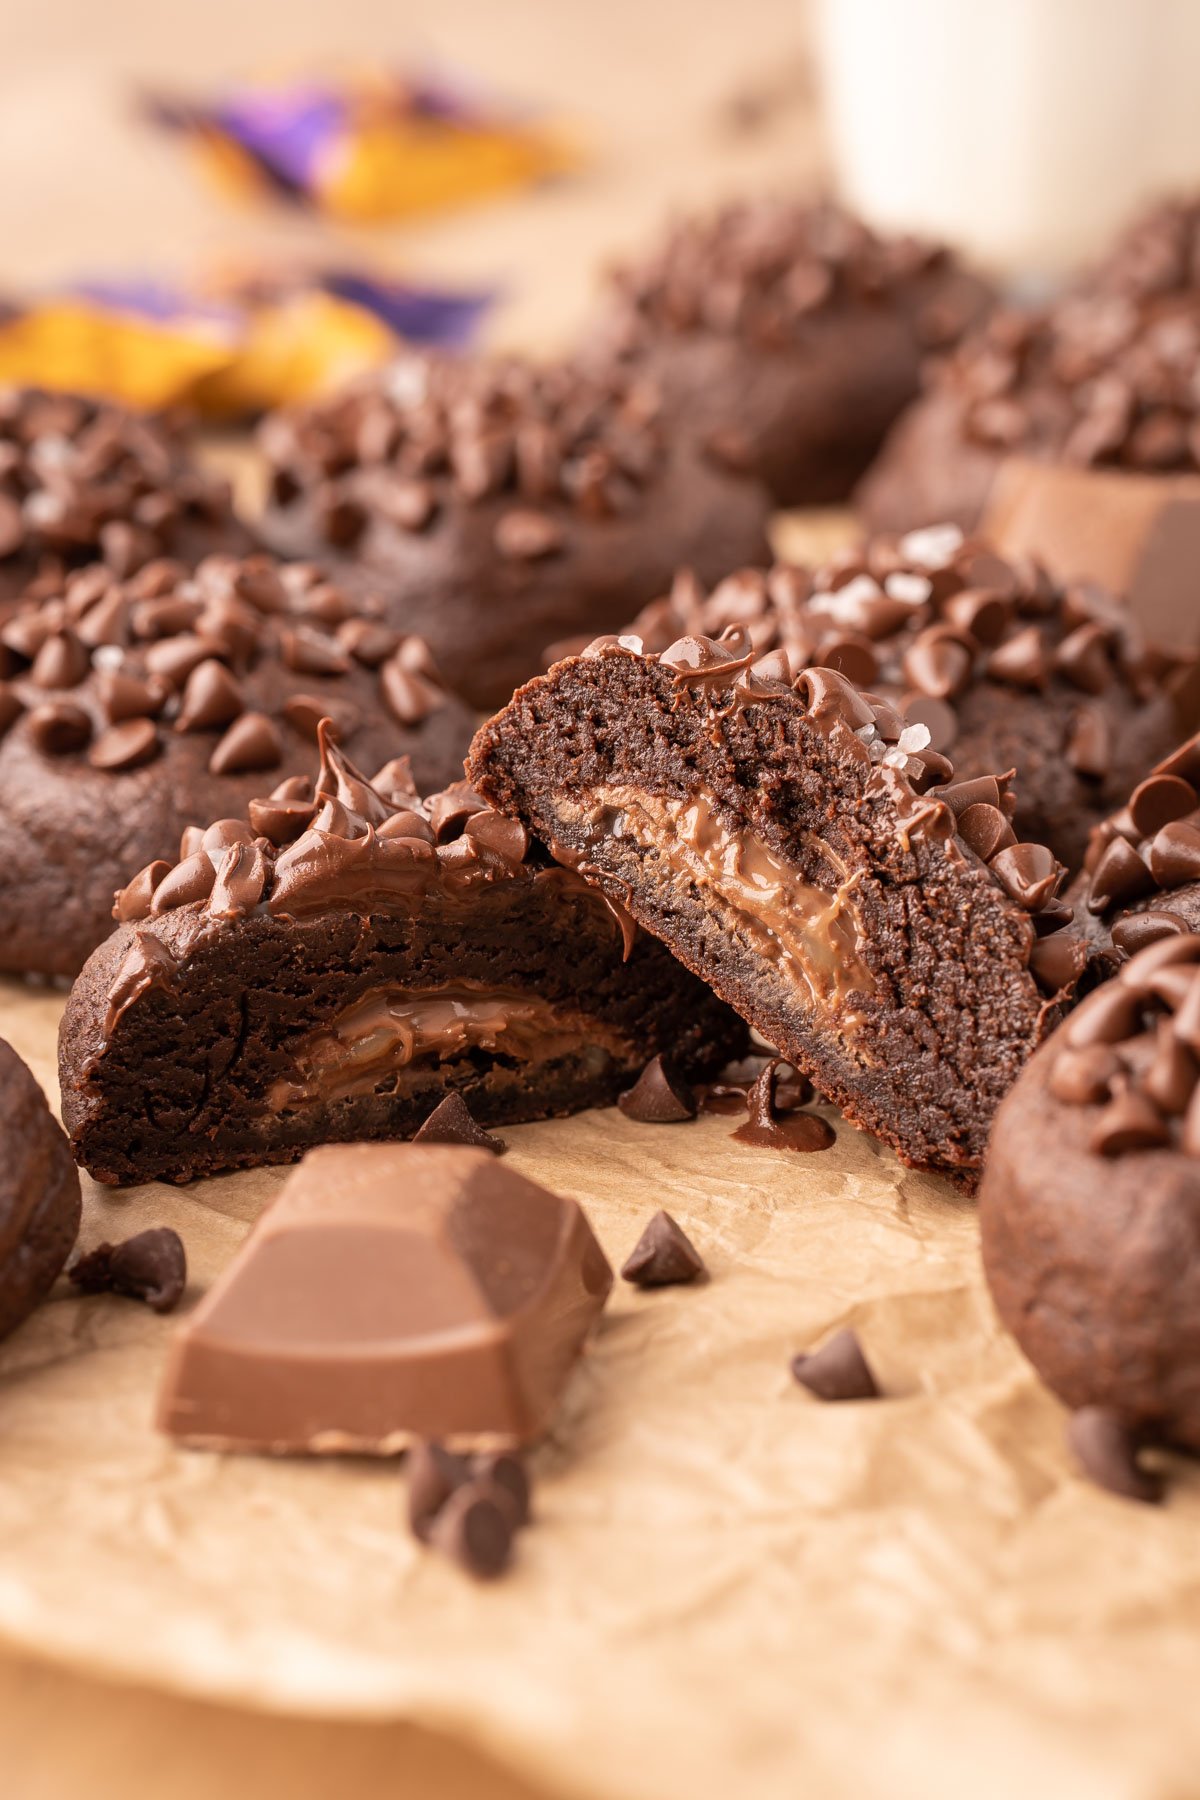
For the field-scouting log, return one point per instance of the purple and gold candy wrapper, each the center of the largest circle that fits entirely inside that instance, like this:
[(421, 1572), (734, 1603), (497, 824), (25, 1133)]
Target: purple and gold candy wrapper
[(231, 350), (367, 146)]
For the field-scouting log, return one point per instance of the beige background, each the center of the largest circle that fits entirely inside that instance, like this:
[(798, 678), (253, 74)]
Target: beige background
[(678, 101)]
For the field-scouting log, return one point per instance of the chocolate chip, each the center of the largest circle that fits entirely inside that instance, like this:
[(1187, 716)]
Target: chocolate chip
[(1170, 1081), (58, 728), (1120, 876), (982, 613), (1084, 1076), (986, 830), (1135, 932), (125, 746), (1158, 801), (659, 1096), (190, 880), (240, 880), (62, 662), (125, 697), (937, 664), (211, 697), (663, 1256), (1030, 873), (409, 504), (1083, 658), (765, 1127), (1088, 748), (1021, 662), (496, 831), (1106, 1450), (838, 1370), (474, 1527), (1174, 854), (523, 535), (251, 742), (1130, 1121), (409, 697), (433, 1475), (501, 1469), (152, 1266), (311, 653), (451, 1122), (1107, 1017)]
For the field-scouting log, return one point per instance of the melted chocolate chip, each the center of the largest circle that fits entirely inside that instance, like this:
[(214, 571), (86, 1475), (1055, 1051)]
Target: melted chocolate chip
[(767, 1128), (838, 1370), (152, 1267), (663, 1256), (660, 1096)]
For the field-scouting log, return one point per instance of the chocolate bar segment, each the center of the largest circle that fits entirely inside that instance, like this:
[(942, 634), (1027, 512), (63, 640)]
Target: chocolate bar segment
[(392, 1292)]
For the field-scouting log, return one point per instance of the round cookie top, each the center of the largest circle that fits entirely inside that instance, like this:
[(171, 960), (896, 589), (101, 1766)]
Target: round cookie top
[(81, 481), (933, 617), (763, 270), (550, 445), (226, 670), (1142, 869), (1131, 1053)]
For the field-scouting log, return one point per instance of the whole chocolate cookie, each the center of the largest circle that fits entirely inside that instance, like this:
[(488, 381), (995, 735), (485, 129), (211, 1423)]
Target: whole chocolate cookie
[(788, 336), (1103, 377), (336, 967), (1007, 669), (39, 1193), (131, 710), (1141, 875), (497, 507), (805, 851), (1090, 1202), (81, 482)]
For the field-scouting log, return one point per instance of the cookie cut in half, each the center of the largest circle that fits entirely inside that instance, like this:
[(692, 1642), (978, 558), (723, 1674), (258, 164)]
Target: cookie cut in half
[(333, 968), (802, 849), (39, 1193)]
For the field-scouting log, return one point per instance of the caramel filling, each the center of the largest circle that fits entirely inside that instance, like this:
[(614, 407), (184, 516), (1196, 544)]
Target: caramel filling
[(813, 933), (388, 1031)]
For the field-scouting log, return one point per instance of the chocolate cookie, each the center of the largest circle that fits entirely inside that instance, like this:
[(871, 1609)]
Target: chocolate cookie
[(333, 969), (1006, 668), (133, 710), (1102, 378), (1141, 876), (1090, 1203), (82, 482), (498, 506), (788, 336), (39, 1194), (801, 848)]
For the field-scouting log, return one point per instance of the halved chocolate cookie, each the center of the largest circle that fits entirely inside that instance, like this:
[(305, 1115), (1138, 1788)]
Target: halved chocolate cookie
[(497, 506), (39, 1193), (130, 710), (81, 482), (1090, 1203), (1007, 668), (800, 847), (331, 970)]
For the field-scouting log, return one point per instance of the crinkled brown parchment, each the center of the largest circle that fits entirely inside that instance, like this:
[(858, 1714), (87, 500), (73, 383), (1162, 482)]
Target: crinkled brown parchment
[(731, 1590)]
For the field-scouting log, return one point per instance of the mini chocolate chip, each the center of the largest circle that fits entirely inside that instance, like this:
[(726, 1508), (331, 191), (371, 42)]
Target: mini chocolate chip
[(433, 1475), (523, 535), (58, 728), (451, 1122), (664, 1256), (125, 746), (838, 1370), (659, 1096), (475, 1528), (938, 717), (191, 879), (1106, 1450), (211, 697), (1021, 662), (1174, 854), (853, 657), (1130, 1121), (1084, 1076), (1158, 801), (501, 1469), (1088, 747), (1030, 873), (251, 742), (62, 662), (151, 1266)]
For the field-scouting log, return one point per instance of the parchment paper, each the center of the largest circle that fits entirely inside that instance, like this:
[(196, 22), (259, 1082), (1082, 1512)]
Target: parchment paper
[(730, 1590)]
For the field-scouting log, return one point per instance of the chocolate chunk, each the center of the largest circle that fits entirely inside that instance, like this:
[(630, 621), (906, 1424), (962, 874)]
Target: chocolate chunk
[(433, 1475), (151, 1266), (252, 742), (659, 1096), (474, 1528), (128, 745), (1106, 1450), (663, 1256), (838, 1370), (391, 1292), (450, 1122)]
